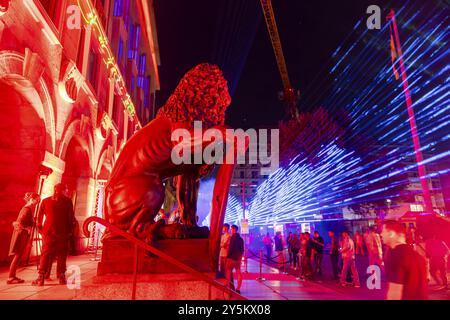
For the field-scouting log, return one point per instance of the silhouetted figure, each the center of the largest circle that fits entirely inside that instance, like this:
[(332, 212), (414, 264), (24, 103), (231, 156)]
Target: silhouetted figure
[(305, 252), (288, 244), (437, 251), (405, 268), (234, 258), (279, 247), (347, 251), (268, 244), (374, 247), (21, 235), (317, 244), (223, 255), (334, 254), (56, 231), (295, 247), (359, 243)]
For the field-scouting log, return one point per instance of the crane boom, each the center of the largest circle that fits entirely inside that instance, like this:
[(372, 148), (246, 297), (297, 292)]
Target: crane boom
[(276, 42), (290, 96)]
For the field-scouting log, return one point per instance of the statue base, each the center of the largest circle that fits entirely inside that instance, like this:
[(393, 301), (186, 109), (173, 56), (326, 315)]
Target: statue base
[(118, 257), (169, 286), (179, 231)]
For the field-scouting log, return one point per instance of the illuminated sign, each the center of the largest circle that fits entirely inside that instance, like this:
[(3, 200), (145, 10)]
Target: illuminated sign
[(91, 18), (244, 226)]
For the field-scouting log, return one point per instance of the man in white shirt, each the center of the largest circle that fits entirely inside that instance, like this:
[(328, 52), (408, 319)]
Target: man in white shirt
[(224, 245), (347, 251), (374, 247)]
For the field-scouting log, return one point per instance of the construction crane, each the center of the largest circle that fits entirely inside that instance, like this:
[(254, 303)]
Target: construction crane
[(289, 96)]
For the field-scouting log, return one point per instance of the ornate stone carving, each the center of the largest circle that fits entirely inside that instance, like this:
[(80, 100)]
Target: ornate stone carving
[(84, 125), (70, 81), (33, 67), (104, 127)]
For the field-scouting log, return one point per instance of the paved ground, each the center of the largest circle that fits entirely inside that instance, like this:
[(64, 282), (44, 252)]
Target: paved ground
[(277, 286), (51, 290), (348, 293)]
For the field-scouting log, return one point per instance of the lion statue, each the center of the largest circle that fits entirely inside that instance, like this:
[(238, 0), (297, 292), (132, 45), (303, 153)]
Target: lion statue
[(135, 193)]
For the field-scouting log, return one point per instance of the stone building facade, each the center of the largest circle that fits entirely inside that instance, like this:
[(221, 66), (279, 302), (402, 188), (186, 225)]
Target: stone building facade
[(77, 79)]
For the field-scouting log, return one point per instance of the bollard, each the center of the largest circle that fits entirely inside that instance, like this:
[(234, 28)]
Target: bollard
[(260, 278), (299, 268), (246, 259)]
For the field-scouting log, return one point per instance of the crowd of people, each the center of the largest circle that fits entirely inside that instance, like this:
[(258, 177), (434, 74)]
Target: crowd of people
[(406, 260), (305, 253)]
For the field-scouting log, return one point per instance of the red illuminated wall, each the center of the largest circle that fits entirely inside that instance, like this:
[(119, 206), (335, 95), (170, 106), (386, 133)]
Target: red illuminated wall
[(22, 147), (54, 101)]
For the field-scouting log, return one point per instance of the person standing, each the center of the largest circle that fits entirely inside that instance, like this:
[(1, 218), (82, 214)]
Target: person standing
[(411, 235), (56, 232), (318, 244), (268, 243), (295, 246), (306, 251), (279, 247), (21, 235), (288, 244), (234, 257), (437, 251), (302, 254), (365, 235), (347, 251), (224, 245), (374, 247), (420, 247), (405, 268), (334, 254), (359, 243)]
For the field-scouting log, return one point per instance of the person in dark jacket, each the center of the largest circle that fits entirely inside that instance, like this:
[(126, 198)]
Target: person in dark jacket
[(289, 247), (437, 252), (21, 235), (295, 247), (279, 247), (234, 257), (334, 254), (306, 251), (56, 231), (317, 245)]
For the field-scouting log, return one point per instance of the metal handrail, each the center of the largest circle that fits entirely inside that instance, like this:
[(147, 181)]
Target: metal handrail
[(158, 253)]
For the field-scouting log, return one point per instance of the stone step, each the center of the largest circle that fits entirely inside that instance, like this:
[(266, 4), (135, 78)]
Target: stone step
[(169, 286)]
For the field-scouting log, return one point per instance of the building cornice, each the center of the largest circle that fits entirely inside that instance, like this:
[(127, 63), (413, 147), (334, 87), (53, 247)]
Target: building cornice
[(148, 20), (47, 27)]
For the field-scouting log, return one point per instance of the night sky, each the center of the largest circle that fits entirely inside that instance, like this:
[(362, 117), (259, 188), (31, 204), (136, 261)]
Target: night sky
[(233, 34)]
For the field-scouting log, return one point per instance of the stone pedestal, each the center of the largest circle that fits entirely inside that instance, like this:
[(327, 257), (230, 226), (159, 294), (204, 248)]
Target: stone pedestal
[(118, 257), (156, 279), (169, 286)]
